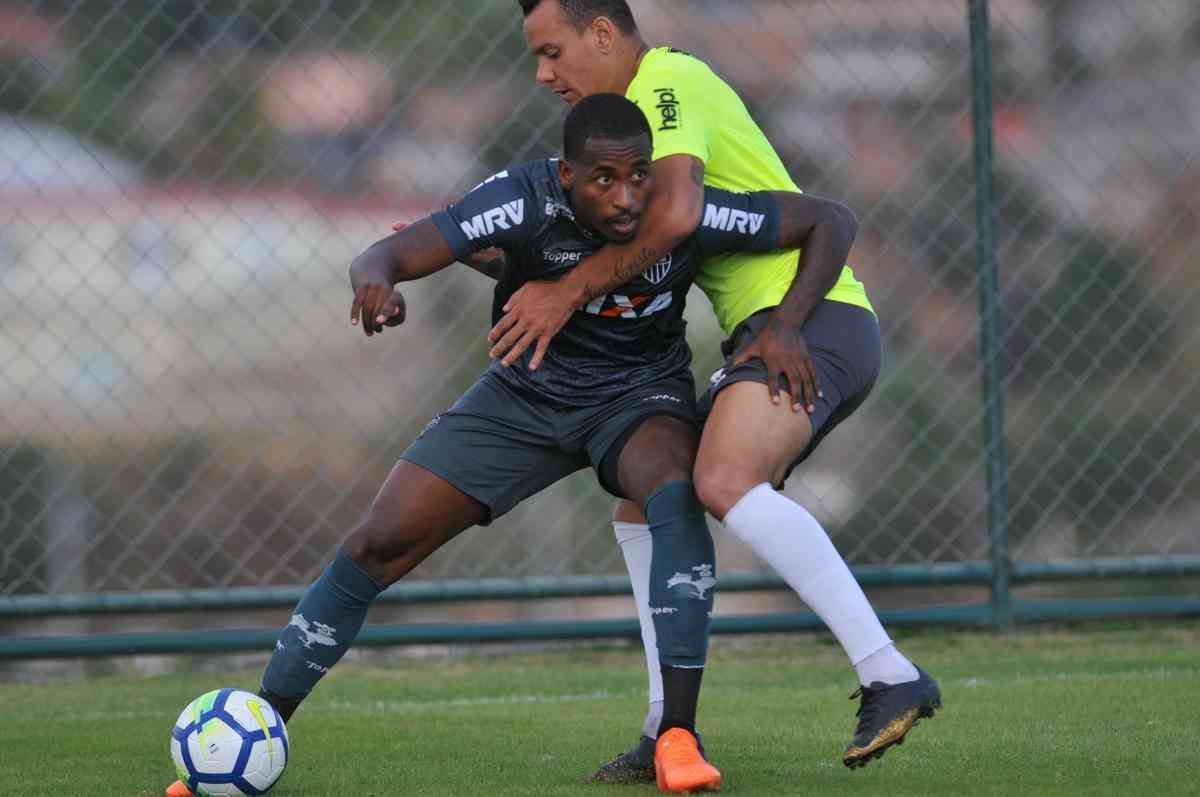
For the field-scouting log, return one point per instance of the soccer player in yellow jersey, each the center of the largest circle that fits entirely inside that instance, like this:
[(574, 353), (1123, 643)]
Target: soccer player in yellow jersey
[(801, 329)]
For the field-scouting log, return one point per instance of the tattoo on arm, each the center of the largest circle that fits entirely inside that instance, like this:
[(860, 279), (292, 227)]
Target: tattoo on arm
[(627, 270)]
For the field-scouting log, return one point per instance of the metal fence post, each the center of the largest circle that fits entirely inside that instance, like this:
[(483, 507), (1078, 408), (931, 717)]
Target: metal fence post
[(995, 458)]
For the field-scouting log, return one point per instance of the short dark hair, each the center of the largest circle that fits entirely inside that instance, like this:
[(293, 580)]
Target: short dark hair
[(581, 13), (609, 116)]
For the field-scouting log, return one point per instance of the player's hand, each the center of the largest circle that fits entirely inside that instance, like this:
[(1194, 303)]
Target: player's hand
[(784, 351), (378, 306), (395, 310), (533, 315)]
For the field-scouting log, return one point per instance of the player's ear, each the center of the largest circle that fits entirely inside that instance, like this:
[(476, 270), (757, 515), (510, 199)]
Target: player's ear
[(566, 174), (603, 34)]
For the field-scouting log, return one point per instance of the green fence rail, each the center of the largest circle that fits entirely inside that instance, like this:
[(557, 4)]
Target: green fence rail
[(379, 635), (454, 591)]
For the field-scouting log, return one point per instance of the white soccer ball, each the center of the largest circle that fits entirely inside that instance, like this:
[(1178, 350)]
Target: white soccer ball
[(229, 743)]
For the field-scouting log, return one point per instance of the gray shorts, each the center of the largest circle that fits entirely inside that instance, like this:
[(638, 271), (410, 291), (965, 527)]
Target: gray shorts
[(500, 444), (844, 343)]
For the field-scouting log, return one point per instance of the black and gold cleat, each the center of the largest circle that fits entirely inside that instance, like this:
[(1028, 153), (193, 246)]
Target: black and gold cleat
[(635, 765), (887, 713)]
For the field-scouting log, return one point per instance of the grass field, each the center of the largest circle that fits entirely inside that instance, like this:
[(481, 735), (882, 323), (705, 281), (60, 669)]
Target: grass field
[(1102, 710)]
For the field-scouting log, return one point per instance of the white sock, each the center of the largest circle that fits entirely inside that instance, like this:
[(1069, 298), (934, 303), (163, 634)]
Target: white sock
[(636, 547), (887, 665), (790, 540), (653, 717)]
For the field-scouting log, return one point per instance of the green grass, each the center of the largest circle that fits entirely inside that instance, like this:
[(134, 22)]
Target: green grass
[(1102, 710)]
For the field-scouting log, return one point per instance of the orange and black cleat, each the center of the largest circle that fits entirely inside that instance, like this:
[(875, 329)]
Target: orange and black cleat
[(178, 789), (679, 766)]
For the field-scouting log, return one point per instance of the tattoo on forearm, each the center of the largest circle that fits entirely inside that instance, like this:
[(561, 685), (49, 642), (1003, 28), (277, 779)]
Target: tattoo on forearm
[(628, 269), (591, 290), (697, 172)]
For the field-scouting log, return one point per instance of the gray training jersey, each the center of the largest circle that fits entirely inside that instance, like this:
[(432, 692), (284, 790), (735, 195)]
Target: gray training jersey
[(618, 342)]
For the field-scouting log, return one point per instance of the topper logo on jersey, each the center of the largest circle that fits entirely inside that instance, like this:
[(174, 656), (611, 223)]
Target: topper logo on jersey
[(729, 219), (559, 258), (668, 107), (505, 217), (658, 272)]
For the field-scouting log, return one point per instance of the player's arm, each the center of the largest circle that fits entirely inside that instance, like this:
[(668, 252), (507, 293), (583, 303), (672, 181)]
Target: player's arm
[(536, 312), (489, 262), (416, 251), (824, 231), (495, 214)]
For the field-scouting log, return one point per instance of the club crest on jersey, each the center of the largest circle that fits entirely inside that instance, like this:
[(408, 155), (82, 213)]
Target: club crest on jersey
[(659, 271), (699, 581)]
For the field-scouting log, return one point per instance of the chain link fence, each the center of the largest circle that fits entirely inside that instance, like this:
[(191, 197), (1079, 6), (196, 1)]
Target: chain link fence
[(183, 184)]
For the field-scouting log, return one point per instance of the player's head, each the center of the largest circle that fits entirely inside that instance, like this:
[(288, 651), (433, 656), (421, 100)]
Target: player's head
[(582, 46), (606, 164)]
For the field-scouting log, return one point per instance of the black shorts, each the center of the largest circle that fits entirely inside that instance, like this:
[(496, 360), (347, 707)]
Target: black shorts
[(500, 445), (844, 343)]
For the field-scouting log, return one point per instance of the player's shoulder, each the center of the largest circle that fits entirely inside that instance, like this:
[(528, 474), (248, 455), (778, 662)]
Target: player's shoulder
[(532, 191), (672, 63), (537, 181), (523, 175)]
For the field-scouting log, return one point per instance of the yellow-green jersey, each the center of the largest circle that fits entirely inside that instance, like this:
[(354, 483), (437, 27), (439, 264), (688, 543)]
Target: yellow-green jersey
[(694, 112)]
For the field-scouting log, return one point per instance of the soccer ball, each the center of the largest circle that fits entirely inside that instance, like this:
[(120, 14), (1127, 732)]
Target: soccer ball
[(229, 743)]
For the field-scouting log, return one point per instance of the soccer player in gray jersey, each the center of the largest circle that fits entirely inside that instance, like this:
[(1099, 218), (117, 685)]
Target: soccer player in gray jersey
[(615, 393)]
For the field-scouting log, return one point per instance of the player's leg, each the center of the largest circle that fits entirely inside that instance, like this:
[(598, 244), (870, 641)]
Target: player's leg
[(749, 446), (414, 513), (636, 765), (653, 468), (654, 471), (470, 465)]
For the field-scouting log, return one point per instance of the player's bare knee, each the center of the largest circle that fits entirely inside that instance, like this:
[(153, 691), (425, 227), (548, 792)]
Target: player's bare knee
[(380, 550), (647, 478), (720, 486), (662, 451)]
